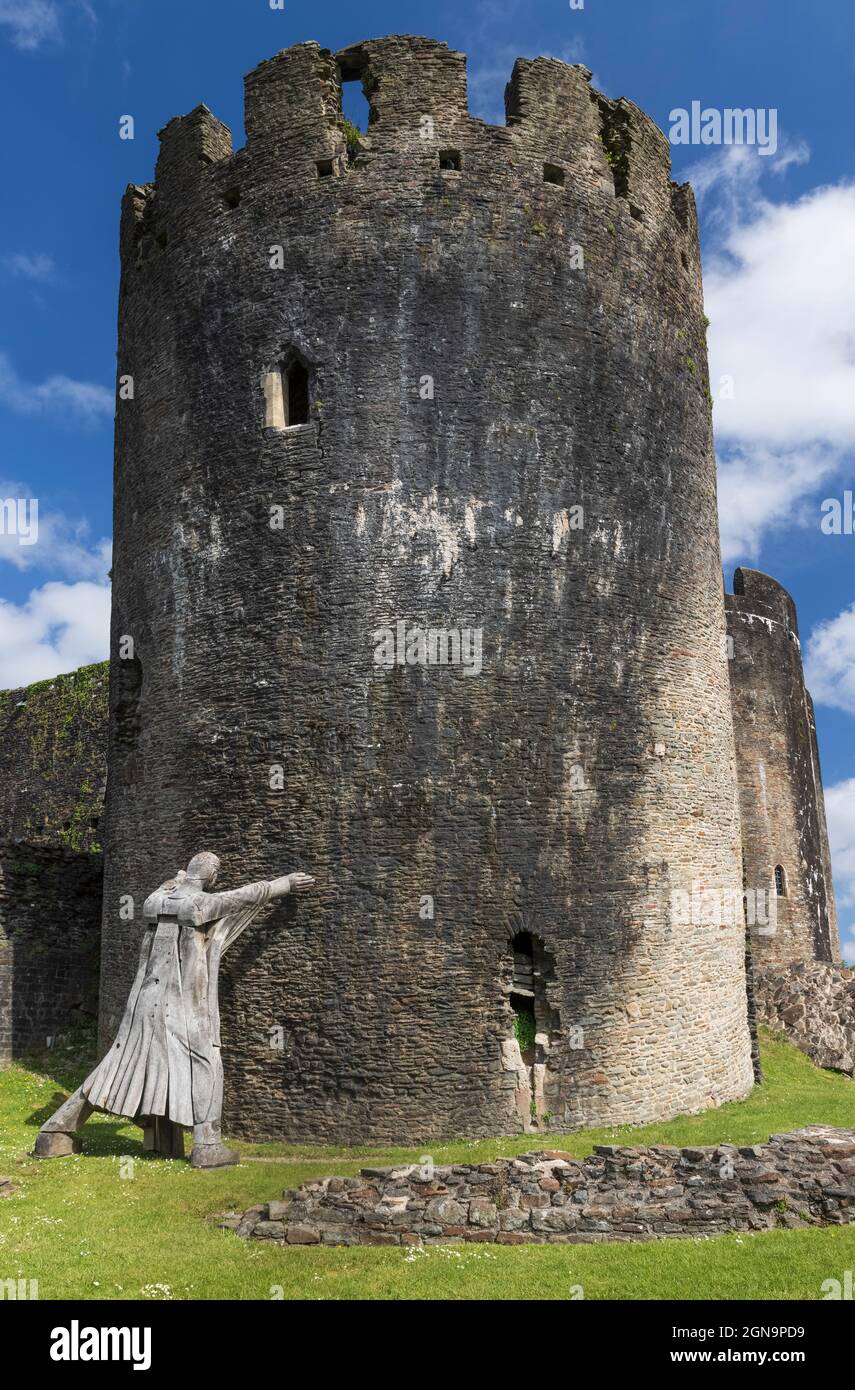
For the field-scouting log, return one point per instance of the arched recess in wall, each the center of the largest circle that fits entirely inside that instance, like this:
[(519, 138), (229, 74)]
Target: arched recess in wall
[(780, 881), (287, 390), (522, 995)]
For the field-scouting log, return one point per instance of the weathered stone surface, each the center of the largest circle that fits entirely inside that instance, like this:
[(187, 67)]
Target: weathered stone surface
[(446, 1211), (802, 1178), (250, 1220), (226, 1221), (814, 1004), (301, 1235), (482, 1212), (270, 1230), (53, 745), (278, 1211)]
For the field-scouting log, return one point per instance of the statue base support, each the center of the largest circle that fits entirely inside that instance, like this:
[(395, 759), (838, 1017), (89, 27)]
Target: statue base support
[(54, 1144), (57, 1137), (163, 1137), (213, 1156)]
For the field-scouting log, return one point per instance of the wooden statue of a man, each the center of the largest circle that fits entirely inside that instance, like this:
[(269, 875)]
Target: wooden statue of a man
[(164, 1070)]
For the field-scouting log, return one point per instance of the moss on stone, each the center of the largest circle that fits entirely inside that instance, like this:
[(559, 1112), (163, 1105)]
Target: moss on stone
[(52, 757)]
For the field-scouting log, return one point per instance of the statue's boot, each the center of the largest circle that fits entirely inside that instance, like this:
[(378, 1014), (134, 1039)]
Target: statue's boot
[(208, 1150), (57, 1138)]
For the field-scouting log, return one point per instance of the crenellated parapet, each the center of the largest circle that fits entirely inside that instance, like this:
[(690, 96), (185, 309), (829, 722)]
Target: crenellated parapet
[(560, 132)]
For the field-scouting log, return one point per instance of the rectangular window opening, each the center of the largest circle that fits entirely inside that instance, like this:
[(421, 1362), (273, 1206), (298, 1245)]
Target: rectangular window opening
[(553, 173), (357, 86), (297, 390), (450, 160)]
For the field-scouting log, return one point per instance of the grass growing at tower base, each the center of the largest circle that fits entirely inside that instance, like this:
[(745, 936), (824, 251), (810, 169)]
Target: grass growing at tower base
[(116, 1224)]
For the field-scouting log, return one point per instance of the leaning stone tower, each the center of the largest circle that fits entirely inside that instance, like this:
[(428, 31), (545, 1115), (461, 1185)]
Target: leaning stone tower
[(785, 837), (447, 377)]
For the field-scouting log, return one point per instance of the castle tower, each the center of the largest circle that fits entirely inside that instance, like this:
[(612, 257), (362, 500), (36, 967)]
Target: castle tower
[(784, 833), (450, 376)]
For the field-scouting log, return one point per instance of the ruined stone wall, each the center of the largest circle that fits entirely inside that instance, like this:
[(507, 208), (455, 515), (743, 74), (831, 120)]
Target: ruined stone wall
[(780, 783), (806, 1178), (52, 778), (499, 325), (814, 1004)]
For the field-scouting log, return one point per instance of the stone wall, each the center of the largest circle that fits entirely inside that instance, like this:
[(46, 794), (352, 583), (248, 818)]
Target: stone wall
[(52, 776), (780, 784), (814, 1004), (806, 1178), (50, 906), (508, 430)]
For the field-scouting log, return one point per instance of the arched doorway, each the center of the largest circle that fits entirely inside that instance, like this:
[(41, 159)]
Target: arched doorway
[(534, 1022)]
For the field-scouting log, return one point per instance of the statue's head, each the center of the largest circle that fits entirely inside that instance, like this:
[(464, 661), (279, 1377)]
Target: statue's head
[(205, 868)]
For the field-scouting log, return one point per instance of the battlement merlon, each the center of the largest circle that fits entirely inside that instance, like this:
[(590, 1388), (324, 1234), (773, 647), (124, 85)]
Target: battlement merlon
[(292, 107), (188, 145), (760, 594), (551, 106), (293, 100), (550, 101), (405, 78)]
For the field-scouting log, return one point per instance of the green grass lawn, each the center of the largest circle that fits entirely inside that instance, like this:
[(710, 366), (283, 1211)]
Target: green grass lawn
[(95, 1227)]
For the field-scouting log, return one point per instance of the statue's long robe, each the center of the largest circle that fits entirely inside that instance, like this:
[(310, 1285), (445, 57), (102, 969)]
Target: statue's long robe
[(166, 1057)]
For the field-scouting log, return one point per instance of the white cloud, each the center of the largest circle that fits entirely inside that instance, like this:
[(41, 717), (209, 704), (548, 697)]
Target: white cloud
[(840, 810), (830, 661), (779, 289), (60, 397), (50, 539), (32, 22), (733, 174), (30, 266), (782, 328), (760, 487), (60, 627)]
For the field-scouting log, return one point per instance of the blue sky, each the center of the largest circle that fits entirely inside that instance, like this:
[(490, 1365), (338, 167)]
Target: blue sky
[(778, 235)]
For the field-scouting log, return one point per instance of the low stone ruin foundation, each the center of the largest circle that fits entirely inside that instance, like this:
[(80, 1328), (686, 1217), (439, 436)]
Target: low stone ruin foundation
[(806, 1178)]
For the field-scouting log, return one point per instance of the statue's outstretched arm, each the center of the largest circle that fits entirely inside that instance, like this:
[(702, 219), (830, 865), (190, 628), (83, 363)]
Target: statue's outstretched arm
[(276, 888), (208, 907)]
